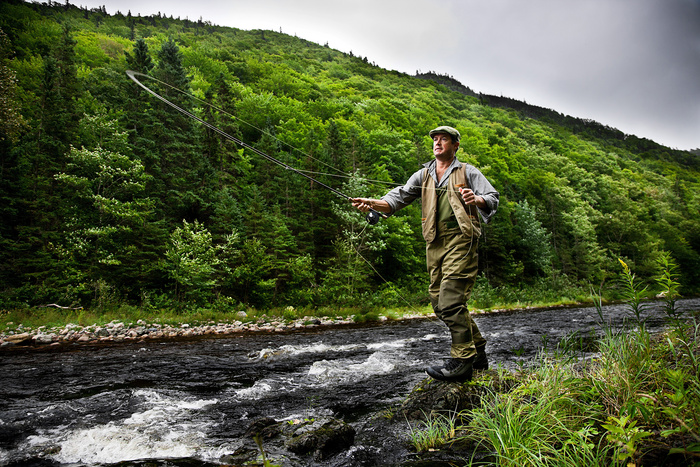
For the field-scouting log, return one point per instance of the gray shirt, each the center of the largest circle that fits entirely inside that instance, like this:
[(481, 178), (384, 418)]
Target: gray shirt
[(402, 196)]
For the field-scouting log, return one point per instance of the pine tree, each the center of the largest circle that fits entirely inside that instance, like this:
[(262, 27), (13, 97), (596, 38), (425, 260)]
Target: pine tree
[(41, 158), (141, 60)]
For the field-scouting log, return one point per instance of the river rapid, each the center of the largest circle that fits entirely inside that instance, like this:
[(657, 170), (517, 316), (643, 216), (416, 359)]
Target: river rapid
[(189, 402)]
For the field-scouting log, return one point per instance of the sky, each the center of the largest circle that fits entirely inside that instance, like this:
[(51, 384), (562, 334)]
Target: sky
[(630, 64)]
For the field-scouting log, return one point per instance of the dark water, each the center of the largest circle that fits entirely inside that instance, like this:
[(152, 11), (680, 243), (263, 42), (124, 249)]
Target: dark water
[(103, 405)]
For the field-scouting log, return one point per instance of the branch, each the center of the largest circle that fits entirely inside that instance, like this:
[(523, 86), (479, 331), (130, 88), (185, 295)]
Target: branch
[(59, 306)]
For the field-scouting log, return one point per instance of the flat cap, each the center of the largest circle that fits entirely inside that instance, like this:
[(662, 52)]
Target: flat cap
[(447, 130)]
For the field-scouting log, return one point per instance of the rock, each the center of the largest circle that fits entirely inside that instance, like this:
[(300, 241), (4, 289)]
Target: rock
[(43, 338), (430, 397), (323, 438), (266, 428), (19, 339)]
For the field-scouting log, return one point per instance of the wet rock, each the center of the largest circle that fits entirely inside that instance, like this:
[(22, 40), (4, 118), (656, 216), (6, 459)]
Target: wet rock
[(44, 338), (266, 428), (431, 397), (19, 339), (323, 438)]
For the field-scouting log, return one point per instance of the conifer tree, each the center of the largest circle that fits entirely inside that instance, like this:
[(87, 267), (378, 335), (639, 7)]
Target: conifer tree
[(41, 158), (141, 60), (181, 170)]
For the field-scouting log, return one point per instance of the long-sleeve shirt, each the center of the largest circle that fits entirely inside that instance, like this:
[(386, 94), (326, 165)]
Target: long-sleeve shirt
[(402, 196)]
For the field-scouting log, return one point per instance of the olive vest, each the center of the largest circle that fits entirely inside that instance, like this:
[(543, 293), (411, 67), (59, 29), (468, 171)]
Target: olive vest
[(467, 216)]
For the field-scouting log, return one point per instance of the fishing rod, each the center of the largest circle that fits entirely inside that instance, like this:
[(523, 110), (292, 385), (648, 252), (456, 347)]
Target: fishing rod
[(373, 216)]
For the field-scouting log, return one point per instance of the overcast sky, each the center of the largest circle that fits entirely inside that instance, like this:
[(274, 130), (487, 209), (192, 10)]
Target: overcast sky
[(630, 64)]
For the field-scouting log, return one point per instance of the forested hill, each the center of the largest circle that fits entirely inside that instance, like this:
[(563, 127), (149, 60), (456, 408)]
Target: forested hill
[(109, 196), (589, 128)]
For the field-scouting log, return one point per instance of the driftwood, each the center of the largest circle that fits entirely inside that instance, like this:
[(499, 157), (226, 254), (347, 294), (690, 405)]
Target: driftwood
[(59, 306)]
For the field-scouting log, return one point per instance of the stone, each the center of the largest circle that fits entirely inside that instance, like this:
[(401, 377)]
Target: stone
[(430, 397), (323, 438), (43, 338), (19, 339)]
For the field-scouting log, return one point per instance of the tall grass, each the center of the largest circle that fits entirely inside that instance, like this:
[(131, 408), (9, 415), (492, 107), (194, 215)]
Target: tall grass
[(640, 397), (543, 291)]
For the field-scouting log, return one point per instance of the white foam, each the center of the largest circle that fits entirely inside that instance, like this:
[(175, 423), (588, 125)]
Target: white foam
[(376, 364), (390, 345), (319, 347), (256, 391), (166, 429)]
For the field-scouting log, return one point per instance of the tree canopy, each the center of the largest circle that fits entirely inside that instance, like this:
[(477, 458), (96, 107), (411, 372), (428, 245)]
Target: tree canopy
[(109, 194)]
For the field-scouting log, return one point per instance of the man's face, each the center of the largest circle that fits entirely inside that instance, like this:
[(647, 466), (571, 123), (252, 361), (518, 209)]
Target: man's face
[(444, 146)]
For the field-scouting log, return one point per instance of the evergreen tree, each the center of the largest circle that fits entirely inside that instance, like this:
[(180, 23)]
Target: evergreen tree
[(40, 158), (141, 60)]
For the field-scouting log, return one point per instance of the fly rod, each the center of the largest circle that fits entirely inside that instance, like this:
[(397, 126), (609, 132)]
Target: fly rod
[(373, 216)]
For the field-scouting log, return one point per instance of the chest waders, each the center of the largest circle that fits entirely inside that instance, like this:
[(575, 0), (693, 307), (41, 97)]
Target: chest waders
[(451, 230)]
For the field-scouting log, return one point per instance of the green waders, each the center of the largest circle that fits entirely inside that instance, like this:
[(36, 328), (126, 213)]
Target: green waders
[(452, 263)]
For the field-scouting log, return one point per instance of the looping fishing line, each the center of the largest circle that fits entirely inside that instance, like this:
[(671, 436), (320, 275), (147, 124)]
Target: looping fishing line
[(132, 75), (339, 174)]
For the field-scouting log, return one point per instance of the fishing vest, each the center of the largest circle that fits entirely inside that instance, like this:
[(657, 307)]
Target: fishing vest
[(467, 216)]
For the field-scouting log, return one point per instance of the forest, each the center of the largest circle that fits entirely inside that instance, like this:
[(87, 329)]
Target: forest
[(111, 197)]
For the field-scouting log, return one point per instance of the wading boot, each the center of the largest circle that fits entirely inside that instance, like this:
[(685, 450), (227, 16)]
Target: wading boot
[(481, 362), (455, 370)]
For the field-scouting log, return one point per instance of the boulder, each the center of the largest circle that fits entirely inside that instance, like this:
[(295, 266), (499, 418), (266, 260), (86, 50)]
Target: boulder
[(431, 397), (19, 339), (322, 438)]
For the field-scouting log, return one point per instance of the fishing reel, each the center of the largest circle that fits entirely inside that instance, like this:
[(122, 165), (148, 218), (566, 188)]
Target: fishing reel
[(373, 217)]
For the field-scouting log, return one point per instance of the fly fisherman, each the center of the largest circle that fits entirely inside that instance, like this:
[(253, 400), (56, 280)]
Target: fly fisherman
[(452, 193)]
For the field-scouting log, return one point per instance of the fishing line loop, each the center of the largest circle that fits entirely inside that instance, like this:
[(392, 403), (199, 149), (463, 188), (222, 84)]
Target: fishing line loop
[(132, 74)]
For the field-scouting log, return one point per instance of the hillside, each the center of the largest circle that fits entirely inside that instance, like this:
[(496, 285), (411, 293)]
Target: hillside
[(109, 196)]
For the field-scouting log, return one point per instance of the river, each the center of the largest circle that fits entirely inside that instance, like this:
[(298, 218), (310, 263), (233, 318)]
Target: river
[(190, 402)]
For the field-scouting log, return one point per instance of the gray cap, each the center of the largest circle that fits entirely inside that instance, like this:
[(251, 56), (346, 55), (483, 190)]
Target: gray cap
[(446, 130)]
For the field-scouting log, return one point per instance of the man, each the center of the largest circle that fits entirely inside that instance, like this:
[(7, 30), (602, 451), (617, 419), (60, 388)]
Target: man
[(452, 193)]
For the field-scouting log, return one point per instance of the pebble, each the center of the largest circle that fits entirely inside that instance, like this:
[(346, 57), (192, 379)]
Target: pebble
[(141, 330)]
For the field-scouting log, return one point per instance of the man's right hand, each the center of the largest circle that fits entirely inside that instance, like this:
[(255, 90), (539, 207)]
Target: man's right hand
[(363, 204)]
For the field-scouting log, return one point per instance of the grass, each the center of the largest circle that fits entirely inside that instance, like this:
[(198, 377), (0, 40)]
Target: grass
[(32, 318), (436, 431), (544, 292), (637, 403)]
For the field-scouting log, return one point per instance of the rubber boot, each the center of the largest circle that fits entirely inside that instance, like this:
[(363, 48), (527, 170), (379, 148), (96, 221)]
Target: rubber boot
[(481, 362), (455, 370)]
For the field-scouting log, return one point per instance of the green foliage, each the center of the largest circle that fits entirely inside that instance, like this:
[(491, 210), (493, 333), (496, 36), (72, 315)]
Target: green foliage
[(97, 174), (435, 431), (625, 434), (190, 260), (636, 402)]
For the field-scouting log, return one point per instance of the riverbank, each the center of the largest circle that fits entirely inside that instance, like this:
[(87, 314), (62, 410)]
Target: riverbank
[(17, 334), (118, 331)]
